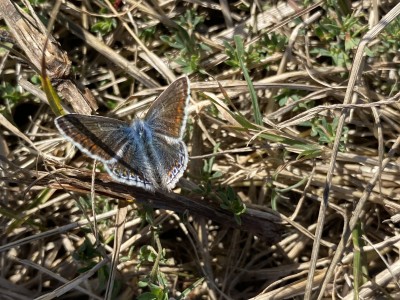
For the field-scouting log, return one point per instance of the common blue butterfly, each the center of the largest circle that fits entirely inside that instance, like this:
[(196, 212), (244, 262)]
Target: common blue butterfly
[(149, 152)]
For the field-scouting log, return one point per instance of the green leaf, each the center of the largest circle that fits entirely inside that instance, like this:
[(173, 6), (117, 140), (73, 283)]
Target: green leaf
[(104, 26), (253, 95)]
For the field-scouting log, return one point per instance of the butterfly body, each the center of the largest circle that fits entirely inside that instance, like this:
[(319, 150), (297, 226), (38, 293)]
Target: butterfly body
[(149, 152)]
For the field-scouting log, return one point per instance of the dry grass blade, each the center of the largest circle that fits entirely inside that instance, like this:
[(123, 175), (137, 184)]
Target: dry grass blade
[(118, 236)]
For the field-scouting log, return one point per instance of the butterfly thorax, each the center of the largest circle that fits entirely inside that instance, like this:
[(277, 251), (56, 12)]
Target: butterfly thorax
[(140, 130)]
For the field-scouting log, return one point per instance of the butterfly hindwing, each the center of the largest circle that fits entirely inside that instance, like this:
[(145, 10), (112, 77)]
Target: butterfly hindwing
[(173, 158)]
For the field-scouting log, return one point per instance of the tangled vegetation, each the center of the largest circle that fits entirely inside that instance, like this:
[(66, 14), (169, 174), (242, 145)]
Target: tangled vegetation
[(292, 188)]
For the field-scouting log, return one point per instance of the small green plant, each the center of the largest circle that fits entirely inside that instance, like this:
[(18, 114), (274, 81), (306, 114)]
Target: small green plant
[(160, 292), (272, 43), (389, 39), (208, 174), (386, 51), (226, 196), (277, 194), (12, 93), (341, 35), (326, 131), (148, 254), (156, 282), (233, 57), (340, 7), (184, 39), (267, 45), (11, 96), (148, 33), (87, 255), (238, 54), (231, 202), (104, 25), (287, 96)]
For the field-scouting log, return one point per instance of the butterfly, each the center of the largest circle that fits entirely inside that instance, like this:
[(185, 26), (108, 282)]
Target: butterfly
[(148, 152)]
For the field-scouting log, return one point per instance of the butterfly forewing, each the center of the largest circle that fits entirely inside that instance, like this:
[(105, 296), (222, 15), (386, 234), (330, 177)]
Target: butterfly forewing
[(98, 137), (167, 115)]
